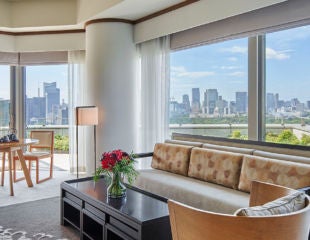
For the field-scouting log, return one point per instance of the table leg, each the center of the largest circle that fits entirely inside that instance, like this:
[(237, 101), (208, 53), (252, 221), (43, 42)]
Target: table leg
[(3, 170), (24, 167), (10, 173)]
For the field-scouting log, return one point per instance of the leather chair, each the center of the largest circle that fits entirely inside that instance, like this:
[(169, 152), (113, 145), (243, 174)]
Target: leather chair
[(44, 149), (188, 223)]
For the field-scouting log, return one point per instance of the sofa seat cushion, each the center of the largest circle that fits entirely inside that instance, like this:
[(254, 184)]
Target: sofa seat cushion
[(190, 191), (215, 166), (171, 157), (284, 173), (285, 205)]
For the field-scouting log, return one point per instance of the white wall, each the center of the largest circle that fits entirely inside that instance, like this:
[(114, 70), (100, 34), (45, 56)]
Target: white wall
[(7, 43), (5, 14), (193, 15)]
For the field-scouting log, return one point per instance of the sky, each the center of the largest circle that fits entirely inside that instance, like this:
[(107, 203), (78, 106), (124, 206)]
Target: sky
[(224, 66), (35, 76)]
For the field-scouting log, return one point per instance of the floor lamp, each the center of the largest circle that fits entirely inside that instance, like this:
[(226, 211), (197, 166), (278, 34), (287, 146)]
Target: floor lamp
[(86, 115)]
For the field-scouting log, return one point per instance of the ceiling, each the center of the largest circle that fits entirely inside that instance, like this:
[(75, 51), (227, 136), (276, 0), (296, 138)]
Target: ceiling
[(83, 11)]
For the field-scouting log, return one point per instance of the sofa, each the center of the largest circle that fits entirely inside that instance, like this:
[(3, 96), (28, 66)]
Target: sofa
[(217, 178)]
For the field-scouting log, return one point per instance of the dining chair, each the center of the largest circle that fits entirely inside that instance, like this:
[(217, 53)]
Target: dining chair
[(44, 149)]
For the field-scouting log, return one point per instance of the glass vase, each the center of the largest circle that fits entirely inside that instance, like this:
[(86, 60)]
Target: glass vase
[(116, 189)]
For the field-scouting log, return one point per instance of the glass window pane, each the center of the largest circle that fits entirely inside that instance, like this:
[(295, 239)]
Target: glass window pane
[(287, 86), (208, 90), (47, 101), (4, 99)]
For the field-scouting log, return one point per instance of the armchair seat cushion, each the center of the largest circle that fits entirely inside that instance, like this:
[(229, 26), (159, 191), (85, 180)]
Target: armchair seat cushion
[(199, 194)]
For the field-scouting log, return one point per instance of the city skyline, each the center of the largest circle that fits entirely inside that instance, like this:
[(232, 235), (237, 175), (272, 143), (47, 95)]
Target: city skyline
[(224, 66)]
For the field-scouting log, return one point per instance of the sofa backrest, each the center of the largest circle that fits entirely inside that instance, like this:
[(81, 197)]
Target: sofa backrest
[(171, 157), (215, 166), (186, 143), (248, 151), (285, 157), (289, 174)]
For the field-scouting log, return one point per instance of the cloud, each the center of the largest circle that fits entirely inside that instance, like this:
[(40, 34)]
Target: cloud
[(181, 71), (278, 55), (235, 49), (233, 59), (237, 74), (230, 67)]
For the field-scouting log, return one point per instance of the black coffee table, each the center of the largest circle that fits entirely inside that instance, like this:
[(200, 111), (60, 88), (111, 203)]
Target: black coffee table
[(86, 207)]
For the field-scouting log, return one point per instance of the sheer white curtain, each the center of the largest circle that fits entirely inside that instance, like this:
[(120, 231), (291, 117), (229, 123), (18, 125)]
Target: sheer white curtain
[(76, 62), (154, 99)]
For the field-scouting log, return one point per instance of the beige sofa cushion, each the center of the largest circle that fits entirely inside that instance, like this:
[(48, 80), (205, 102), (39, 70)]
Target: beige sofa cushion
[(171, 157), (215, 166), (285, 173), (285, 157), (285, 205), (228, 148), (193, 192)]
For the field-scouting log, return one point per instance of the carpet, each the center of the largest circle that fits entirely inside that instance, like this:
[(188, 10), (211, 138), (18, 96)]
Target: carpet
[(33, 221)]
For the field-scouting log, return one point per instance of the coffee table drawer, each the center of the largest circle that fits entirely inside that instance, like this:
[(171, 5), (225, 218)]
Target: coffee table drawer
[(111, 232), (95, 211), (124, 227)]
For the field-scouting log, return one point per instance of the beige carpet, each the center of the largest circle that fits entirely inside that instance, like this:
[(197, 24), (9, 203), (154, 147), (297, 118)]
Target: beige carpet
[(23, 193)]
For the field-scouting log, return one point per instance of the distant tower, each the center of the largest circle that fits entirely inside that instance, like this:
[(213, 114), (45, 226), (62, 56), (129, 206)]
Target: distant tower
[(195, 100), (241, 102), (186, 103), (52, 94), (211, 98)]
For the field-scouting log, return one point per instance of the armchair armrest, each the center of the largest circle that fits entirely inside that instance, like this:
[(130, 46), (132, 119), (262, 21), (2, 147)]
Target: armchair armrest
[(143, 155), (306, 190)]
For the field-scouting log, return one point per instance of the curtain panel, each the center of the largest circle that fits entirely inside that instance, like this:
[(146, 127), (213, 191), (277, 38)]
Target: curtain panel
[(154, 98), (76, 78)]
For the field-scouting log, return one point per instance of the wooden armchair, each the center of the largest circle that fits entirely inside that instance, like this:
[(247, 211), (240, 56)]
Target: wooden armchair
[(188, 223), (44, 149)]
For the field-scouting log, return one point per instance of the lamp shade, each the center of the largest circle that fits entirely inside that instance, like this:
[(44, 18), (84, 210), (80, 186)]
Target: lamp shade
[(87, 115)]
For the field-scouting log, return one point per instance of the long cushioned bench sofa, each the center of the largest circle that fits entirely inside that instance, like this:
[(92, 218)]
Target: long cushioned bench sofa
[(217, 178)]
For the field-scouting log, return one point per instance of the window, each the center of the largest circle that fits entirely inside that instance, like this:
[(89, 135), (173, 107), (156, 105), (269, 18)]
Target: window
[(46, 101), (287, 86), (208, 90), (4, 99)]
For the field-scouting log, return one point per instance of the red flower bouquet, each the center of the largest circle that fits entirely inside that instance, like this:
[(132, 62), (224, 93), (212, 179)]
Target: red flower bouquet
[(117, 164)]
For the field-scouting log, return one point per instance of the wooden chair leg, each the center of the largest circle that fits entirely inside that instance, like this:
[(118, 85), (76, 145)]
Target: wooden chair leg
[(15, 179), (38, 180), (3, 169), (10, 174)]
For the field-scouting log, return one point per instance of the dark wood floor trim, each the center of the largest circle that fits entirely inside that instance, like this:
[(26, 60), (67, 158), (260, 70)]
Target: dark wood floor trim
[(166, 10)]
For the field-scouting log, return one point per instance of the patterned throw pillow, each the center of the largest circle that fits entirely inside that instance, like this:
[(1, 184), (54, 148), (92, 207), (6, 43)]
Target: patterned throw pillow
[(215, 166), (171, 157), (284, 205)]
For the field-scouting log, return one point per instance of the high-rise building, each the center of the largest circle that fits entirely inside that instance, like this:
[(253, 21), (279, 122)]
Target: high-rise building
[(4, 112), (186, 103), (35, 110), (211, 96), (241, 102), (52, 94), (195, 100), (308, 104), (270, 104)]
